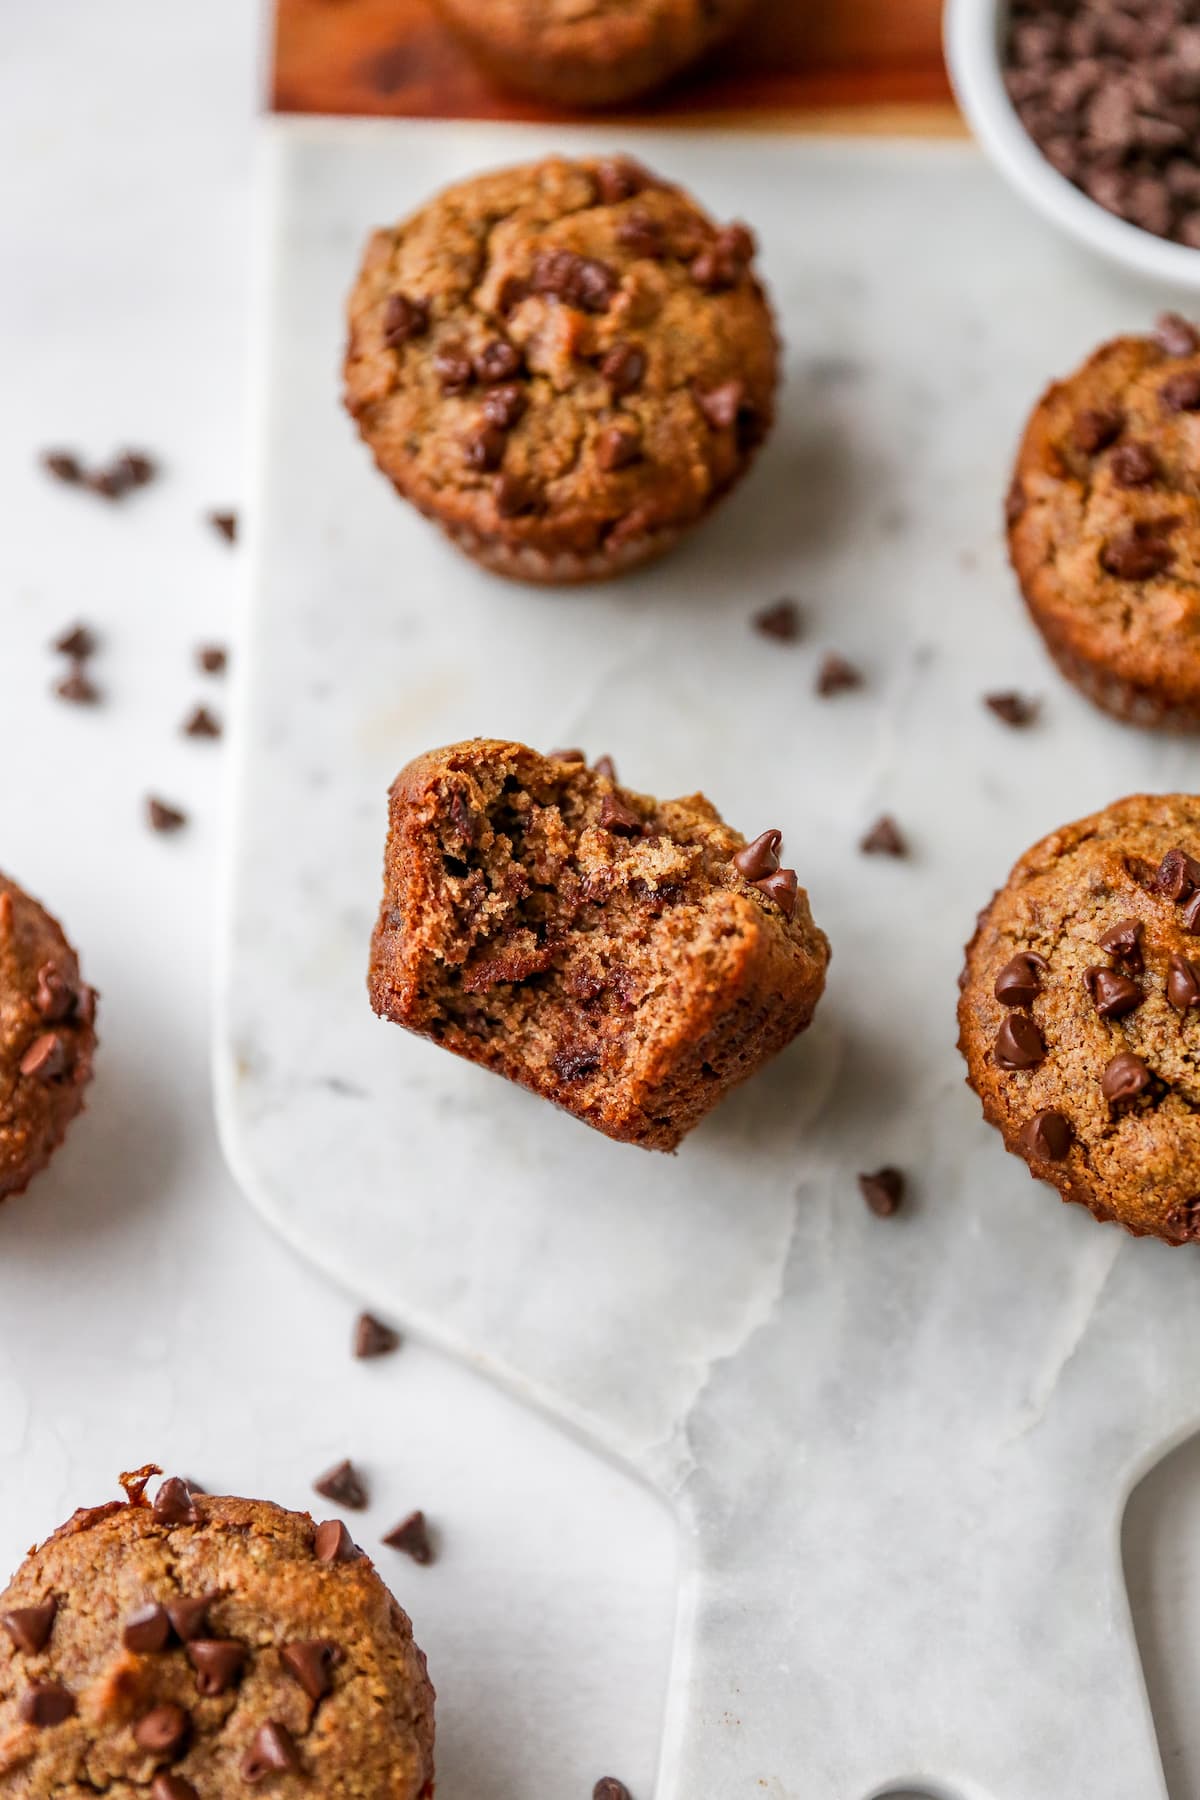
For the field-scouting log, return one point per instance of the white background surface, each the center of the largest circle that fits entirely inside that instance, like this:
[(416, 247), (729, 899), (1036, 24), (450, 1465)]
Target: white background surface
[(144, 1313)]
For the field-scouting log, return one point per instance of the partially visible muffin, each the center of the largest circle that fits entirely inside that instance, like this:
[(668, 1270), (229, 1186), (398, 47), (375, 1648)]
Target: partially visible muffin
[(629, 959), (1104, 525), (565, 365), (1080, 1013), (47, 1037), (198, 1648), (591, 52)]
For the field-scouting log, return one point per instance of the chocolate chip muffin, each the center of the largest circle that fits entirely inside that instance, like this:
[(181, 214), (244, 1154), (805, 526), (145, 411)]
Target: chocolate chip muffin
[(198, 1648), (1104, 525), (47, 1037), (1080, 1013), (591, 52), (564, 365), (630, 959)]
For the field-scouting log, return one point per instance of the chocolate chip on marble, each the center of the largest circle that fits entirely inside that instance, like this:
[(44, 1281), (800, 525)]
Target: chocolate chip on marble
[(344, 1485), (63, 465), (272, 1752), (373, 1338), (836, 675), (781, 887), (162, 817), (1019, 981), (1113, 995), (1124, 1078), (1124, 942), (1019, 1043), (1047, 1135), (497, 361), (615, 816), (1175, 334), (46, 1058), (1013, 708), (1094, 429), (780, 620), (201, 723), (1134, 466), (163, 1731), (29, 1627), (609, 1788), (225, 524), (404, 318), (212, 658), (1181, 392), (759, 857), (147, 1630), (136, 468), (721, 405), (1137, 554), (173, 1503), (46, 1703), (504, 406), (617, 446), (77, 689), (883, 1191), (172, 1787), (78, 643), (1178, 875), (624, 368), (411, 1536), (1183, 983), (310, 1661), (884, 839), (333, 1543), (218, 1663), (484, 450), (189, 1617)]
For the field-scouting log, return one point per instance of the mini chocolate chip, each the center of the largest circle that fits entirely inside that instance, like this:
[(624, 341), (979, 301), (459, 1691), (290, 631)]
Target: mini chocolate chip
[(333, 1543), (148, 1630), (615, 816), (54, 997), (515, 495), (225, 524), (46, 1058), (781, 887), (1137, 554), (485, 450), (1047, 1135), (1124, 941), (109, 484), (1183, 983), (63, 466), (1181, 392), (884, 839), (609, 1788), (172, 1787), (1019, 1043), (189, 1617), (271, 1752), (212, 658), (1124, 1077), (311, 1661), (1012, 708), (77, 689), (617, 447), (504, 406), (79, 643), (412, 1537), (162, 817), (883, 1191), (136, 468), (1019, 981), (46, 1703), (1190, 917), (218, 1663), (780, 620), (163, 1731), (721, 405), (642, 236), (624, 368), (173, 1504), (1112, 995), (759, 857), (836, 675), (201, 723), (373, 1338), (498, 361), (344, 1485), (1175, 334), (1094, 430), (1134, 466), (404, 318), (29, 1627)]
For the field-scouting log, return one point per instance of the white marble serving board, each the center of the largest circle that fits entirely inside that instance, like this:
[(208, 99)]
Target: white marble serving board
[(900, 1450)]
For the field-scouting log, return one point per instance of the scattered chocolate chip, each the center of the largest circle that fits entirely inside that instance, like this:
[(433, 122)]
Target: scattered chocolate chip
[(609, 1788), (515, 495), (782, 887), (310, 1661), (1124, 942), (201, 723), (54, 997), (883, 1191), (1175, 334), (272, 1752), (77, 689), (836, 675), (189, 1617), (1112, 995), (173, 1503), (218, 1663), (1183, 983), (1134, 466), (63, 466), (1094, 430), (404, 318), (884, 839), (29, 1627), (1139, 553), (109, 484), (780, 620), (721, 405), (46, 1058), (225, 524), (617, 446), (212, 658), (1019, 1043), (759, 857), (1019, 981), (615, 816), (373, 1338), (1181, 392), (412, 1537), (1047, 1135), (1124, 1078), (498, 361), (344, 1485), (172, 1787), (624, 368), (453, 368), (162, 817), (1178, 875), (46, 1703), (504, 406), (333, 1543), (136, 468), (642, 236), (78, 643), (1012, 708), (163, 1731), (147, 1631)]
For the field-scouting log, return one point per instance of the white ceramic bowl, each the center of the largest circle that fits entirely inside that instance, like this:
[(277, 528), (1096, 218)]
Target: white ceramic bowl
[(973, 32)]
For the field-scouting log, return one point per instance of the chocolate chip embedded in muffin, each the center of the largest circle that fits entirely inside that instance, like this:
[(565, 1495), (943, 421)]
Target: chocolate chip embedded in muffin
[(1106, 537), (628, 958), (1080, 1014), (309, 1673), (591, 55), (47, 1037), (565, 365)]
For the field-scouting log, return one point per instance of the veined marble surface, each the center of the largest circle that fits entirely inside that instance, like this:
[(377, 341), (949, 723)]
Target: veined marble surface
[(901, 1449)]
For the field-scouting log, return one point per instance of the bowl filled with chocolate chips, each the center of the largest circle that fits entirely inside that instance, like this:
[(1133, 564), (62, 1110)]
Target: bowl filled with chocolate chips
[(1091, 108)]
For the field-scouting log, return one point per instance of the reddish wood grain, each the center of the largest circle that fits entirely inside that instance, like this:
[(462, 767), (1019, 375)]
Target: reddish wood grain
[(796, 57)]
